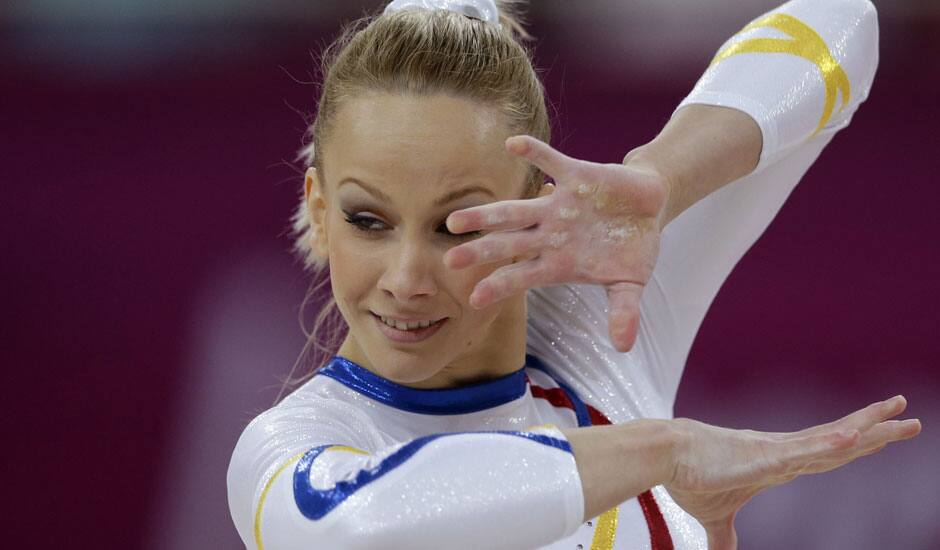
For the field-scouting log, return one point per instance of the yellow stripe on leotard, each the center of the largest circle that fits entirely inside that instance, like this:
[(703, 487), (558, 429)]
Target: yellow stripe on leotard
[(267, 486), (806, 43), (346, 449), (606, 530)]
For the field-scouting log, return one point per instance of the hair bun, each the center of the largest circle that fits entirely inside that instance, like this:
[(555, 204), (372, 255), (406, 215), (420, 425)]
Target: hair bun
[(484, 10)]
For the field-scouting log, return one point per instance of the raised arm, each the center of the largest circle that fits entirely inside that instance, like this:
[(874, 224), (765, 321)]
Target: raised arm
[(663, 230), (799, 72)]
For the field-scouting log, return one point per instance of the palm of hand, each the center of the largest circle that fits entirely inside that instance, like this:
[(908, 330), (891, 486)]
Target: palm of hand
[(601, 225), (719, 470), (710, 491)]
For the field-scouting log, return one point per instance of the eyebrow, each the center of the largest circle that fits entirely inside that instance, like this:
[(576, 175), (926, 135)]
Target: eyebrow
[(449, 197)]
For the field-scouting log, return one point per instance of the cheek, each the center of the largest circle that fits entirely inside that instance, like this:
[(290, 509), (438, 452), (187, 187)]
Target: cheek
[(353, 271), (463, 281)]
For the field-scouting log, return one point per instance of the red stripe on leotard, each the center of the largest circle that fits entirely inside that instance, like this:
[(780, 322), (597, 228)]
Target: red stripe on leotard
[(660, 539), (555, 396)]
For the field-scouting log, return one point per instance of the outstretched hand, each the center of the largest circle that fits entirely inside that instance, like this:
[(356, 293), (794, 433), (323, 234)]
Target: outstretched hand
[(718, 470), (601, 225)]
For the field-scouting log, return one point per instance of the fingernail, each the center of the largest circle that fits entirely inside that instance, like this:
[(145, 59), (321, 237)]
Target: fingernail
[(519, 145)]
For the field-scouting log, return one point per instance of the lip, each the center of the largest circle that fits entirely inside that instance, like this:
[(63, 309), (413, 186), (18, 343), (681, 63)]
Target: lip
[(406, 319), (408, 336)]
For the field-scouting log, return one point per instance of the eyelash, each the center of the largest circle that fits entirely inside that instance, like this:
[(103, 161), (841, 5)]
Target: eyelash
[(366, 225)]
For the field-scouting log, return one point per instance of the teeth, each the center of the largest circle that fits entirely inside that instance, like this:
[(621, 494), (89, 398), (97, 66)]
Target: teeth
[(406, 326)]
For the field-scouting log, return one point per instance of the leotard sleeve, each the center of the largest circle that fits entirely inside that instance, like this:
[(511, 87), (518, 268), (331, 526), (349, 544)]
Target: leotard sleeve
[(316, 473), (800, 71)]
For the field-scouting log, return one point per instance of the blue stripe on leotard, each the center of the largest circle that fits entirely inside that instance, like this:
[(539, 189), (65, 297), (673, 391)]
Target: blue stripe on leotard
[(462, 400), (580, 409), (315, 503)]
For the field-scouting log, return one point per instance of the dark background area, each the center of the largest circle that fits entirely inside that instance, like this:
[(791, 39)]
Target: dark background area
[(152, 301)]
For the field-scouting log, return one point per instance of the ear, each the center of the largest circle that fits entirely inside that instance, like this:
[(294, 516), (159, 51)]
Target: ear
[(316, 205)]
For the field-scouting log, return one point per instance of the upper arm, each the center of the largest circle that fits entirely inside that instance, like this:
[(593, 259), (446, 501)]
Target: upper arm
[(271, 446), (296, 485)]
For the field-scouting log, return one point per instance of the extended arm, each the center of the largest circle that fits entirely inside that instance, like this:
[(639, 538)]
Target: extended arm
[(315, 472)]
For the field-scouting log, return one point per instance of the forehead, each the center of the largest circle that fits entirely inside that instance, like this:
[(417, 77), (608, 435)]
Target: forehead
[(425, 145)]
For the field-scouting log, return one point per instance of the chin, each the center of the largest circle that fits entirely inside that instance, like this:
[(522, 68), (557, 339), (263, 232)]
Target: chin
[(404, 366)]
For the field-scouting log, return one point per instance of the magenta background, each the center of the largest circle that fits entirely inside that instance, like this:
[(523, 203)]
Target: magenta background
[(144, 239)]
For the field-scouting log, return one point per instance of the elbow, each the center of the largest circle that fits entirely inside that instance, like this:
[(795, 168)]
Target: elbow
[(861, 20), (865, 23), (866, 18), (350, 529)]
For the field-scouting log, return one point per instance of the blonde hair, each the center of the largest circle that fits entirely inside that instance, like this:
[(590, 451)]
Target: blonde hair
[(422, 53)]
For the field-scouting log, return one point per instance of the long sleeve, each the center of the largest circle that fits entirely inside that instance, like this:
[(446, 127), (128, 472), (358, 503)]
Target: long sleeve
[(800, 71), (315, 473)]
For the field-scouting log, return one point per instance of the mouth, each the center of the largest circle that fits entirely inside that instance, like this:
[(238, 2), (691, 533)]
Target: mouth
[(407, 331)]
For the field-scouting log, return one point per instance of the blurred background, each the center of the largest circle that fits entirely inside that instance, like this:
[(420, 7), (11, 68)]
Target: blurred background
[(152, 301)]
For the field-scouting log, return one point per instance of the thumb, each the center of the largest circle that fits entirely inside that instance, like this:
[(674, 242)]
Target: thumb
[(723, 538), (623, 300)]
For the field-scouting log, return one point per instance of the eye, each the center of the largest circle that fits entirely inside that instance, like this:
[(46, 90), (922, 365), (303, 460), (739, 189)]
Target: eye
[(471, 235), (364, 223)]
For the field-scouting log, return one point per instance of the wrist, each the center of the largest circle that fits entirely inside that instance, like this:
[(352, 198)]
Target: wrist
[(659, 440), (646, 159)]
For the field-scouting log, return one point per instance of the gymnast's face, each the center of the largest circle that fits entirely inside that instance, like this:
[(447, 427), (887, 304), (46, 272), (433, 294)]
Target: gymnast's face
[(394, 167)]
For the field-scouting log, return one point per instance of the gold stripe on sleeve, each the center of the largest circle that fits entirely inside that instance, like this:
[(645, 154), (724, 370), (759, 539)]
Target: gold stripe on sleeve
[(290, 462), (264, 494), (805, 43), (606, 530)]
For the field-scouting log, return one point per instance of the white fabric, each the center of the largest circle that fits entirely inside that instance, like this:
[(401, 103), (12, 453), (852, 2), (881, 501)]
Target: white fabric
[(454, 493), (514, 494)]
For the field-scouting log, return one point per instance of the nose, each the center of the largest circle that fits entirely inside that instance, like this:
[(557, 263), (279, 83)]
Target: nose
[(410, 271)]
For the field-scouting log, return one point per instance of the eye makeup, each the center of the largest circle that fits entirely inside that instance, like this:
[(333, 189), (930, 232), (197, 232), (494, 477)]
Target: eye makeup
[(373, 225)]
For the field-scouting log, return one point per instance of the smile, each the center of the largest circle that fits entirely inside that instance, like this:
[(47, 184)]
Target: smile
[(407, 331)]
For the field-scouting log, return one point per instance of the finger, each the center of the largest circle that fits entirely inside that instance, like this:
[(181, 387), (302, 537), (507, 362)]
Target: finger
[(508, 280), (495, 247), (623, 321), (889, 432), (880, 437), (800, 452), (498, 216), (544, 156), (863, 418)]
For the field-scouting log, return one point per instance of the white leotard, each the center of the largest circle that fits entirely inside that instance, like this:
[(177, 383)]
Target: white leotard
[(351, 460)]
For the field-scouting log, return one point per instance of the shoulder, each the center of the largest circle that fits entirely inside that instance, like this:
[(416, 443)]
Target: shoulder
[(318, 405), (312, 415)]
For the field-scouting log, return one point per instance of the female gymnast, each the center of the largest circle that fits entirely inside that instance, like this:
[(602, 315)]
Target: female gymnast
[(463, 410)]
